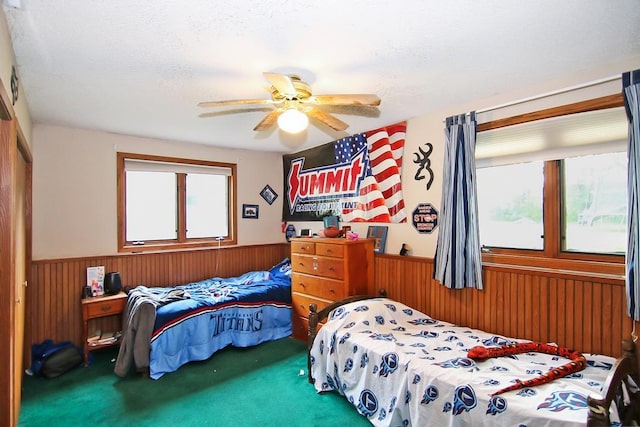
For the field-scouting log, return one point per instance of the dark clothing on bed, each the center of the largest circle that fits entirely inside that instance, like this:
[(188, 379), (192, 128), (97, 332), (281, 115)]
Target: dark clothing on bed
[(139, 318)]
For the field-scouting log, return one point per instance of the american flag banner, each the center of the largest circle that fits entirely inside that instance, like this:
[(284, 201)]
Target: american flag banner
[(357, 177), (380, 196)]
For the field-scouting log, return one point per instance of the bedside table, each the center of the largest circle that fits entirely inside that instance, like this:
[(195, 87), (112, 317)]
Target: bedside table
[(96, 307)]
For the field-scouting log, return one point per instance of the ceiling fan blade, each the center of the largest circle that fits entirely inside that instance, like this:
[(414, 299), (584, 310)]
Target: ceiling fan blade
[(283, 83), (236, 102), (332, 121), (268, 121), (369, 100)]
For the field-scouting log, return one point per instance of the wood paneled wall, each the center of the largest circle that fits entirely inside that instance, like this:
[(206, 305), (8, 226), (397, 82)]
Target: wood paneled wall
[(53, 298), (571, 310)]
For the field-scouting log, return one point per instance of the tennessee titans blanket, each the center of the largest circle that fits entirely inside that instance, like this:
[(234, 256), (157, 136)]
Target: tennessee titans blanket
[(400, 367), (241, 311)]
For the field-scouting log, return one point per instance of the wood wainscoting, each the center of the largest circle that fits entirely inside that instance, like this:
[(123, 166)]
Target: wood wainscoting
[(572, 310), (56, 287)]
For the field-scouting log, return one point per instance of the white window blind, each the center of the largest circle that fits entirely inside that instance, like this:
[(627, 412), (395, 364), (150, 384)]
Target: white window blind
[(593, 132), (155, 166)]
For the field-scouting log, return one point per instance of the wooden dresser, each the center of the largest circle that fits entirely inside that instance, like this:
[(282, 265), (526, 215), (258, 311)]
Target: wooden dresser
[(326, 270)]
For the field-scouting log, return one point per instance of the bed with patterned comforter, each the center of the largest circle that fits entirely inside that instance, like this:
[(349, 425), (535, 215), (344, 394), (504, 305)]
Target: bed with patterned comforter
[(204, 317), (400, 367)]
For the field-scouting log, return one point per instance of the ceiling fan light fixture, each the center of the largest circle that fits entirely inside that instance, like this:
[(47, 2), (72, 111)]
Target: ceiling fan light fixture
[(293, 121)]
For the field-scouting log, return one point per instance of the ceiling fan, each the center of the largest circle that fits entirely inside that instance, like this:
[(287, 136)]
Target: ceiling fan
[(293, 100)]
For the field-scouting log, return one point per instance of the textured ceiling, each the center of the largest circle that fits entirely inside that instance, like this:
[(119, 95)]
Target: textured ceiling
[(141, 67)]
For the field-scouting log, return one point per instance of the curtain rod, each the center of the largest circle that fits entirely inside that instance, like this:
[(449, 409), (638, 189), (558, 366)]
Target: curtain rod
[(556, 92)]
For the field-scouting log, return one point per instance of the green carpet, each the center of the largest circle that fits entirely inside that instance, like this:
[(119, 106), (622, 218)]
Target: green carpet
[(258, 386)]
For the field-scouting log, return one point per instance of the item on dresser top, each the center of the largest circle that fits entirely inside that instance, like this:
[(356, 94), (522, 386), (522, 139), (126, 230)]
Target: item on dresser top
[(331, 232), (112, 283), (290, 232), (331, 226), (95, 279)]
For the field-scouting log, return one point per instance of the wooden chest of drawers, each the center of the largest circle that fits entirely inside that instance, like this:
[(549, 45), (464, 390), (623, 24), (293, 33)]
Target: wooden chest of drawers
[(327, 270)]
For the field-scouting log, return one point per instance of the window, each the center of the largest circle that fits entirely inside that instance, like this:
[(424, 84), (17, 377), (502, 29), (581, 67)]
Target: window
[(595, 203), (510, 210), (554, 185), (169, 203)]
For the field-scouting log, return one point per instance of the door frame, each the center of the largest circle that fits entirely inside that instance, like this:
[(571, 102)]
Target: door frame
[(12, 144)]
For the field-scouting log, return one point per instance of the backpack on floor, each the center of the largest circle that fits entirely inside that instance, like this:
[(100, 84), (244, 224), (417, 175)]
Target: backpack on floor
[(50, 360)]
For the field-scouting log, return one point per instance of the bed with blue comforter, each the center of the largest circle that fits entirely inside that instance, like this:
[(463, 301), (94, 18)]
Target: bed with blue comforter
[(193, 321), (400, 367)]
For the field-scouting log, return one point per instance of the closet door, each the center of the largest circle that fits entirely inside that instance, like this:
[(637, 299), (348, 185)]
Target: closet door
[(15, 260), (20, 281)]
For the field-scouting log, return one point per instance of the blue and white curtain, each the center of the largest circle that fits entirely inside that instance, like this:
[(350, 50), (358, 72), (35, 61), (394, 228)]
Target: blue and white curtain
[(631, 90), (457, 259)]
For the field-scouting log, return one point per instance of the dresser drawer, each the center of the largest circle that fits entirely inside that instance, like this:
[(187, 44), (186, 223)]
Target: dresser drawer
[(300, 304), (303, 247), (328, 249), (318, 266), (318, 286), (105, 308)]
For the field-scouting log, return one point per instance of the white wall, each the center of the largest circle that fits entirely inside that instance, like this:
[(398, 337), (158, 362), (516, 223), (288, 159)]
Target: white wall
[(7, 60), (430, 128), (74, 188), (74, 184)]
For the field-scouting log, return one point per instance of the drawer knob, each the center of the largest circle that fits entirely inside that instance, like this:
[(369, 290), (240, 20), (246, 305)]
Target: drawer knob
[(105, 308)]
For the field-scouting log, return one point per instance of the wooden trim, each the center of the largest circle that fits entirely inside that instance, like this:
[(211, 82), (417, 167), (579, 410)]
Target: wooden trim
[(121, 203), (29, 258), (181, 242), (8, 156), (553, 174), (23, 145), (573, 308), (182, 207), (57, 284), (604, 102), (6, 106), (166, 159), (552, 206), (578, 269), (13, 145)]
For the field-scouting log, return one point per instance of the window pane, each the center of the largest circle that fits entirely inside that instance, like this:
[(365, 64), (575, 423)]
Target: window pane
[(510, 205), (595, 200), (151, 206), (207, 206)]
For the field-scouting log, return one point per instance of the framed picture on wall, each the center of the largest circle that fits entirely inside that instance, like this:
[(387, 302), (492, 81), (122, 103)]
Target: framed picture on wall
[(379, 234), (268, 194), (250, 211)]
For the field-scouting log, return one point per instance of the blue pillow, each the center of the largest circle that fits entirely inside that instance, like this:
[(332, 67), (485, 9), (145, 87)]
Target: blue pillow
[(281, 271)]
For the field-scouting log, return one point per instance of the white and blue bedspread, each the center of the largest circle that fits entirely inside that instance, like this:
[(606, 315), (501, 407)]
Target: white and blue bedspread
[(241, 311), (400, 367)]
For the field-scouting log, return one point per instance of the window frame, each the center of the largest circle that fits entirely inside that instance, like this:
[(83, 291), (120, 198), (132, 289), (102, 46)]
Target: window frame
[(182, 242), (552, 256)]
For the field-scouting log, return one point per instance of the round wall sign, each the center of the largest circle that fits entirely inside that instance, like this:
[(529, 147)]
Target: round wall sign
[(425, 218)]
